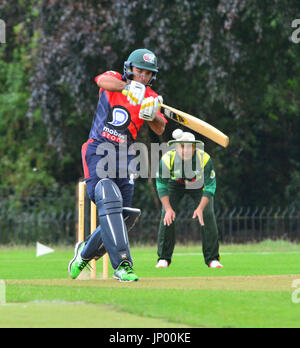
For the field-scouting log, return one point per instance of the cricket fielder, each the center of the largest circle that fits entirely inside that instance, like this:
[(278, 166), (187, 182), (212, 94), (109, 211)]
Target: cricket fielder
[(171, 189), (118, 120)]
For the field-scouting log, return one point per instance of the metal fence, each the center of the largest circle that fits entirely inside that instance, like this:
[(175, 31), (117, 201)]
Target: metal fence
[(44, 223), (236, 225), (240, 225), (49, 219)]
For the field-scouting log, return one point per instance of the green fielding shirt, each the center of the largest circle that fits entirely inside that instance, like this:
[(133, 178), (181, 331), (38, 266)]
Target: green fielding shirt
[(171, 161)]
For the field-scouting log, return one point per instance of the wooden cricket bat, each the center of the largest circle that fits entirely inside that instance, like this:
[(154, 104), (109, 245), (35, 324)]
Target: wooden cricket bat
[(193, 123)]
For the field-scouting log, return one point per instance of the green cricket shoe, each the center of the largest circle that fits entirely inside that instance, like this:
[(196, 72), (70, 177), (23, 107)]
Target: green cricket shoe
[(77, 264), (125, 273)]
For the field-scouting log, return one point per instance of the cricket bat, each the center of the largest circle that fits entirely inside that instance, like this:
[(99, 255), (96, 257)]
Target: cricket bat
[(193, 123)]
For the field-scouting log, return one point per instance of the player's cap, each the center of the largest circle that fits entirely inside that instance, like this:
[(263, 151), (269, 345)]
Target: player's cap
[(183, 137)]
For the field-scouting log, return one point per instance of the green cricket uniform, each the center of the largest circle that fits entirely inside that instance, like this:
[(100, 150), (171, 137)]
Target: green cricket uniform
[(174, 186)]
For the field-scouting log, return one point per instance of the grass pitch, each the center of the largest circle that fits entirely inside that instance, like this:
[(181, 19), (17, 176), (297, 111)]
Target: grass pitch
[(256, 288)]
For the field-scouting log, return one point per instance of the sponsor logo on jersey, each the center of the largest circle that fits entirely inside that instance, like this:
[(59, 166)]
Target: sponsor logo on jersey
[(119, 117), (113, 135)]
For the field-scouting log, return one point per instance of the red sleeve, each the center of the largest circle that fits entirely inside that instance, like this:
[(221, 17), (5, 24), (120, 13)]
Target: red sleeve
[(109, 73)]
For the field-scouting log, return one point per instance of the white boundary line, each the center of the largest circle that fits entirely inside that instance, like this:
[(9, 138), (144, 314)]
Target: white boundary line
[(243, 253)]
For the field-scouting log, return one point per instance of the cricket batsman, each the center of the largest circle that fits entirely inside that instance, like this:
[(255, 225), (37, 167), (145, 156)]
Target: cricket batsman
[(117, 121), (200, 185)]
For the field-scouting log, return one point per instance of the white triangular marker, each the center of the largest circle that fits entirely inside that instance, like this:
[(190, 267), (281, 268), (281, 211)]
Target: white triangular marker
[(42, 249)]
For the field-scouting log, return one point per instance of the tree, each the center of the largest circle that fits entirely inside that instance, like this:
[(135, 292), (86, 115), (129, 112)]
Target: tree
[(230, 62)]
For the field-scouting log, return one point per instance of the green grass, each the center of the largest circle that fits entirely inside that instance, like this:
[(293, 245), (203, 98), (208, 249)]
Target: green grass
[(253, 290)]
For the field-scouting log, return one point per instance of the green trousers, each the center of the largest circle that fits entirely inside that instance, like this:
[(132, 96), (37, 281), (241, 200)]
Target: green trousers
[(209, 232)]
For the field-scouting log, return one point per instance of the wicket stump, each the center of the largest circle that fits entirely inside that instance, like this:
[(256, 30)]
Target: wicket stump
[(93, 226)]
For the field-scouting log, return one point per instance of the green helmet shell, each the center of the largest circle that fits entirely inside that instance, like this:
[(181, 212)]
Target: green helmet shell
[(143, 59)]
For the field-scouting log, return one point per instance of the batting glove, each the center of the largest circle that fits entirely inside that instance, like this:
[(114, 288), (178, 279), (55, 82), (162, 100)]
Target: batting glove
[(136, 92), (149, 108)]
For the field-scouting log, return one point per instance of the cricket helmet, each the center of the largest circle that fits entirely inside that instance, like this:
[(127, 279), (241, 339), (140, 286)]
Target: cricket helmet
[(142, 59)]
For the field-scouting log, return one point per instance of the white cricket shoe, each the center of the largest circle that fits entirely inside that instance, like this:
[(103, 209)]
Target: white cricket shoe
[(162, 264), (215, 264)]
